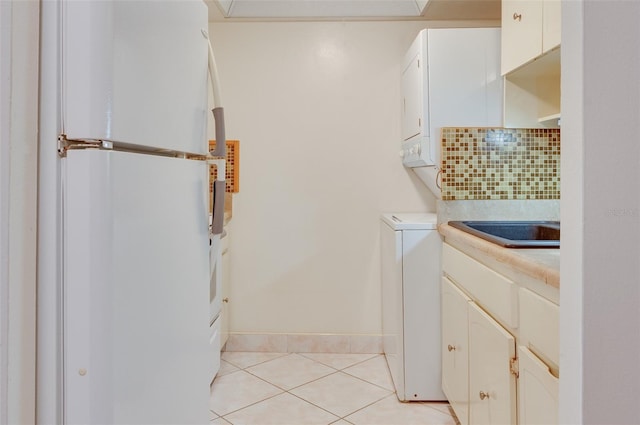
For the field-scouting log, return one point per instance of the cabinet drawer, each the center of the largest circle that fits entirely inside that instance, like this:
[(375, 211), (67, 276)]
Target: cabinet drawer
[(539, 325), (494, 292)]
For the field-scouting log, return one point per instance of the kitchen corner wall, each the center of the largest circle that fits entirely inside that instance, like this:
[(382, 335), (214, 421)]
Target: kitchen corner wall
[(316, 107)]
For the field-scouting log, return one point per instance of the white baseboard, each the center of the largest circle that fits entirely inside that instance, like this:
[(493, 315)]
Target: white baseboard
[(305, 343)]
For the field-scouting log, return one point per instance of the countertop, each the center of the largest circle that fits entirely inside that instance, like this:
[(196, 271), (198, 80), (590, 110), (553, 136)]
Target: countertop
[(540, 264)]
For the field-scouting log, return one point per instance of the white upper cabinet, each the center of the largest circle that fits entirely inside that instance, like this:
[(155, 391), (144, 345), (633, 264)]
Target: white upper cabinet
[(529, 29), (531, 63), (521, 32), (551, 24)]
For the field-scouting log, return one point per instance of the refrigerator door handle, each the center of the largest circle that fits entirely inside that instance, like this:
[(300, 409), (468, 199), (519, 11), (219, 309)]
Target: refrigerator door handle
[(218, 117), (217, 222), (219, 185), (218, 190)]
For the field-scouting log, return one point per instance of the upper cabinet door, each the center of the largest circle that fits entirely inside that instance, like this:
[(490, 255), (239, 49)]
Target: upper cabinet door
[(551, 24), (135, 72), (521, 32), (492, 387)]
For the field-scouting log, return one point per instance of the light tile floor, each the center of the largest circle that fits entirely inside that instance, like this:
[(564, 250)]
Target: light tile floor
[(314, 388)]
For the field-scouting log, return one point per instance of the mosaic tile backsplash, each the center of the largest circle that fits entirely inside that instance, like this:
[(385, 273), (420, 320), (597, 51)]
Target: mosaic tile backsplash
[(498, 163)]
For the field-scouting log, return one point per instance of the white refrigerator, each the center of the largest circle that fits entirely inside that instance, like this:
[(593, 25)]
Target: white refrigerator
[(124, 286)]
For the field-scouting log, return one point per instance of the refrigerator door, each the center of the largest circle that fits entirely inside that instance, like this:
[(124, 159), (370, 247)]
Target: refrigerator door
[(136, 72), (136, 289)]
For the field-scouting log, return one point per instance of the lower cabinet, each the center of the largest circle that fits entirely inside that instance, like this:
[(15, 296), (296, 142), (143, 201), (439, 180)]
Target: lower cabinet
[(493, 373), (537, 389), (492, 384), (455, 349)]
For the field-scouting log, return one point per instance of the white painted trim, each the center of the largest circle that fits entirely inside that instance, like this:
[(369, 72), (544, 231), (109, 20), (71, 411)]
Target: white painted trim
[(5, 133), (571, 214), (18, 225), (49, 359)]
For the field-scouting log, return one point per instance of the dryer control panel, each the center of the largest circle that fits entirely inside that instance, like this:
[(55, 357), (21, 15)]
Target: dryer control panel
[(415, 152)]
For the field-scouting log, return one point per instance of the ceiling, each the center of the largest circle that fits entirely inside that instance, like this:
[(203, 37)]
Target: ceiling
[(228, 10)]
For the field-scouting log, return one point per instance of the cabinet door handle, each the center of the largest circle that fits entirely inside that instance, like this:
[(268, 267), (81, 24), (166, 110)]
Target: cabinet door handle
[(517, 16), (483, 395), (451, 347), (225, 300)]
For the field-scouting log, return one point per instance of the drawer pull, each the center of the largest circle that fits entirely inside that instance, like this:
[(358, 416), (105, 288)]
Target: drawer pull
[(451, 347), (517, 16), (483, 395)]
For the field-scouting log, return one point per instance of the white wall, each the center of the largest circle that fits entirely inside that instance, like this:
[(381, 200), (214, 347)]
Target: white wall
[(18, 192), (316, 107), (600, 291), (5, 134), (571, 214)]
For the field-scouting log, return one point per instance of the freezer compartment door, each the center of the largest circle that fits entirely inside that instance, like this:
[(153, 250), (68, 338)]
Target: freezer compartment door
[(136, 289), (136, 72)]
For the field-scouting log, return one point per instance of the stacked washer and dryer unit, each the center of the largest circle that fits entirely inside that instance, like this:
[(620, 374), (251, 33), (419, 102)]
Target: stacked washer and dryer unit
[(450, 78)]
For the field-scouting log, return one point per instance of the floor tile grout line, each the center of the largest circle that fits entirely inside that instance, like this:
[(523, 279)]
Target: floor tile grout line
[(228, 373), (264, 361), (346, 367), (249, 405), (335, 370), (315, 405), (372, 383), (277, 395), (307, 401), (364, 407), (283, 390), (258, 401), (333, 413), (316, 379), (297, 386), (287, 391)]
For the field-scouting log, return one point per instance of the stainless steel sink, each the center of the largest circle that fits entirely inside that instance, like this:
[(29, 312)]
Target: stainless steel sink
[(514, 234)]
